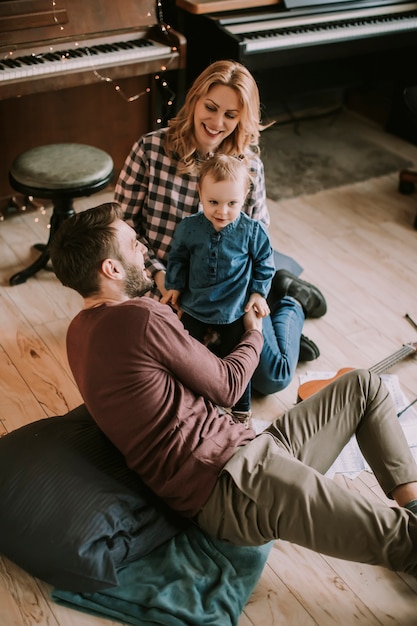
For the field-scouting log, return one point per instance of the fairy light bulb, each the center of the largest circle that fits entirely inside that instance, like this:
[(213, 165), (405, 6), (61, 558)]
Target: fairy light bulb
[(165, 31)]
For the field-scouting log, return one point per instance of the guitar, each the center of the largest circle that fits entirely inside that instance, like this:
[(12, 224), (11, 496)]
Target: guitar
[(307, 389)]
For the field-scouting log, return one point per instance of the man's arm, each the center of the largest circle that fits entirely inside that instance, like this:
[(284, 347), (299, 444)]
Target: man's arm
[(222, 381), (251, 321)]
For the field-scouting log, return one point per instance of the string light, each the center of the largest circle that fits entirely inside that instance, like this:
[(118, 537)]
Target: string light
[(165, 32), (159, 79)]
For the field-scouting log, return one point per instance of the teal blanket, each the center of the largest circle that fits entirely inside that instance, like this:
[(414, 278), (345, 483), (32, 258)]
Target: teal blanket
[(192, 580)]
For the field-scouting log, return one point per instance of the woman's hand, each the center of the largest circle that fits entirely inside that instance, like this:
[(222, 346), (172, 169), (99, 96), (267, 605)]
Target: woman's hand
[(172, 297), (159, 278)]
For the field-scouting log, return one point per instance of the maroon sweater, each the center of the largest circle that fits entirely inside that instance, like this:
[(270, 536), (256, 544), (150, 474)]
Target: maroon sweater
[(153, 390)]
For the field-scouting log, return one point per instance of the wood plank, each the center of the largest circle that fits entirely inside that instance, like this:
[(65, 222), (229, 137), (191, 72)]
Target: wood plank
[(325, 595), (273, 602), (19, 405), (49, 382), (357, 243), (21, 601)]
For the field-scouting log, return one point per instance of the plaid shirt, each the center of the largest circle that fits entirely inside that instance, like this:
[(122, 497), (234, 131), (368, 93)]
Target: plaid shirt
[(155, 197)]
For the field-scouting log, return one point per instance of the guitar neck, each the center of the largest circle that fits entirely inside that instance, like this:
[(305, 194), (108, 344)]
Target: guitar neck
[(391, 360)]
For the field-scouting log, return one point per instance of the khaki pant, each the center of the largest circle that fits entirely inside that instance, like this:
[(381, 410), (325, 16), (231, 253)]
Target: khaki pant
[(274, 486)]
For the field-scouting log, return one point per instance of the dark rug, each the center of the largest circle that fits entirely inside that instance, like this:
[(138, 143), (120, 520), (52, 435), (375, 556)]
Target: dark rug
[(309, 156)]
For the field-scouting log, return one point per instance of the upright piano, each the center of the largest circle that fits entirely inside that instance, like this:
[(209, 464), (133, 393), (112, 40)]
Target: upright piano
[(298, 46), (72, 70)]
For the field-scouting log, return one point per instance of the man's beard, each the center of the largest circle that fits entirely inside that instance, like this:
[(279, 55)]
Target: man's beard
[(136, 284)]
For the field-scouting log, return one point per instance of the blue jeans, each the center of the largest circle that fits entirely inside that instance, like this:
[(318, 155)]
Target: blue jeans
[(279, 357)]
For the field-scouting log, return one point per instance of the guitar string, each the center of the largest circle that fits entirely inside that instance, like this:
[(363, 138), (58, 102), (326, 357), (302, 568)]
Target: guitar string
[(378, 368), (392, 359)]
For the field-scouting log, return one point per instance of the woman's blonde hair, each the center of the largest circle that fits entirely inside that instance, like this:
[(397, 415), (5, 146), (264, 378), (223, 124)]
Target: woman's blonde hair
[(180, 139)]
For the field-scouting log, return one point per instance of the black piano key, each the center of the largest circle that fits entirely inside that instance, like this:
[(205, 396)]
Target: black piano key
[(11, 63), (52, 56), (75, 54), (327, 26), (79, 52)]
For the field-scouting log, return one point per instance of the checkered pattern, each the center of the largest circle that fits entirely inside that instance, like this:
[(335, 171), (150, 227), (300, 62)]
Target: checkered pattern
[(155, 197)]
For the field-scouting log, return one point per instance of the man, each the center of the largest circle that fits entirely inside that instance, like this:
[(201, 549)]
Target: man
[(154, 391)]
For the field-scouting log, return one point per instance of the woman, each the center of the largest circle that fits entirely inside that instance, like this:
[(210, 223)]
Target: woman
[(158, 186)]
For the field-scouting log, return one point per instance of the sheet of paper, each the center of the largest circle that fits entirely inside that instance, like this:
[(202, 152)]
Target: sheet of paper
[(351, 461)]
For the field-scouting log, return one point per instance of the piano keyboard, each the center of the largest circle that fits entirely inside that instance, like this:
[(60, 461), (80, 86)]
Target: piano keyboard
[(275, 34), (93, 55)]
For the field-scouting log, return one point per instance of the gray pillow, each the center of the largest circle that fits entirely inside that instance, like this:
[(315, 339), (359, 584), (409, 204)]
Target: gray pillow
[(72, 512)]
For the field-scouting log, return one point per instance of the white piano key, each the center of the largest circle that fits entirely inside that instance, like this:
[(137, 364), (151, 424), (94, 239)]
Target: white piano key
[(149, 50), (323, 35), (286, 20)]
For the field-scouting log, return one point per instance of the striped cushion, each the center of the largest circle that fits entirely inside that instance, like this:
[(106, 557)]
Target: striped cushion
[(72, 512)]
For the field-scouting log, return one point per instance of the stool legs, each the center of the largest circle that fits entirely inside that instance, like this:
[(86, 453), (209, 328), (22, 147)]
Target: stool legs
[(63, 209)]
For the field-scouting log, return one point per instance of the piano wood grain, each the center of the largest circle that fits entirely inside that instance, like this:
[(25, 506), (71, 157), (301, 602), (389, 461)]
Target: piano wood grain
[(198, 7), (42, 20), (82, 105), (93, 114)]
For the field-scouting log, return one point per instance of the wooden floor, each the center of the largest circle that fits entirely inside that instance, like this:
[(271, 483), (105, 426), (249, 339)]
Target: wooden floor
[(358, 244)]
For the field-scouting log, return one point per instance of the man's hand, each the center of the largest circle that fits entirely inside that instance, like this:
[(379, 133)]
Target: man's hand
[(251, 321)]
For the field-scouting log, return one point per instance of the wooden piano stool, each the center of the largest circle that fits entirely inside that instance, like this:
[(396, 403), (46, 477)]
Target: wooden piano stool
[(60, 172)]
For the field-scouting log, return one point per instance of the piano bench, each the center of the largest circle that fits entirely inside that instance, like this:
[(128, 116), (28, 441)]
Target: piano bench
[(61, 172), (406, 184)]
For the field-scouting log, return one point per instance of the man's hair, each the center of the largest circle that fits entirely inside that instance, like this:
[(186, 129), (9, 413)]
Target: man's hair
[(221, 167), (82, 243)]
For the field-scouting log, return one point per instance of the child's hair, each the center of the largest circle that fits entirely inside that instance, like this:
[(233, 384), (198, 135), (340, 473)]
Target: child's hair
[(223, 167)]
